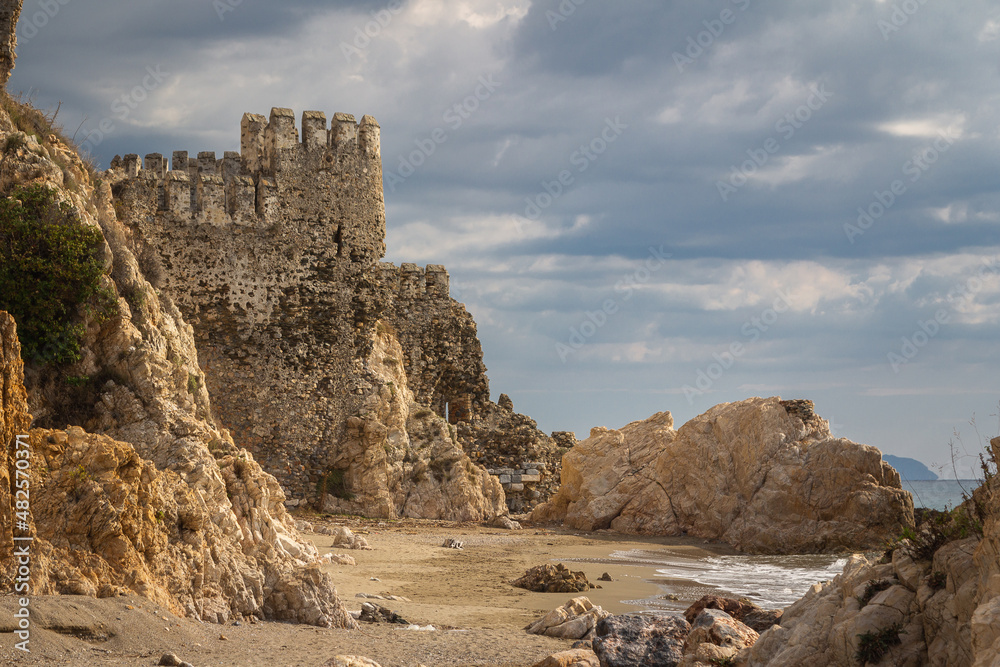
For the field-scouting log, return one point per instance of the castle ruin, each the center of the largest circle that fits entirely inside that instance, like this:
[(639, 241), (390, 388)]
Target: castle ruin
[(273, 255)]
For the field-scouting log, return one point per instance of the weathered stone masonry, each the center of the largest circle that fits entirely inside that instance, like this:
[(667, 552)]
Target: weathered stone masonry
[(273, 256), (443, 356), (10, 10)]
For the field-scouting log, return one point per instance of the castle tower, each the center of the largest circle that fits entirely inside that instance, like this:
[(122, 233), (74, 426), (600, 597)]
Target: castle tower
[(325, 186)]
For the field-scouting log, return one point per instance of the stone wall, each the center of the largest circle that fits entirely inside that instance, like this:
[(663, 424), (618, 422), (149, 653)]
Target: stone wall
[(10, 10), (442, 354), (526, 461)]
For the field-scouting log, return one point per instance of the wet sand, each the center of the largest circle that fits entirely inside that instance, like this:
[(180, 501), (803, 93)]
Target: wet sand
[(464, 593)]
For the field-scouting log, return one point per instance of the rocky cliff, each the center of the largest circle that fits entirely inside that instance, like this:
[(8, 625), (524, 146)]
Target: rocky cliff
[(401, 459), (763, 475), (133, 484), (932, 600), (106, 522), (14, 421)]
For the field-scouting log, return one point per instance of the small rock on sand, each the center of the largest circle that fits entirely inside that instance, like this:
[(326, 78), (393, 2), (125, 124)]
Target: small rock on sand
[(350, 661), (571, 658)]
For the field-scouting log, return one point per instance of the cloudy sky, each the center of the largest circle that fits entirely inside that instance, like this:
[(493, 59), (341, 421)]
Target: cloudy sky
[(646, 205)]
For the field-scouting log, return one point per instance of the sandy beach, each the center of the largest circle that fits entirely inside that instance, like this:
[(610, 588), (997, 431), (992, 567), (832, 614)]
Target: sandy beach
[(478, 617)]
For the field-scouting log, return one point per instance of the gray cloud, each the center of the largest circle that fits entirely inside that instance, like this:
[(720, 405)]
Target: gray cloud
[(530, 282)]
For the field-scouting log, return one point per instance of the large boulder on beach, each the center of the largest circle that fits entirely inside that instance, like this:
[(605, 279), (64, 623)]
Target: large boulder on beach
[(715, 639), (714, 626), (648, 639), (743, 610), (556, 578), (574, 620), (764, 475)]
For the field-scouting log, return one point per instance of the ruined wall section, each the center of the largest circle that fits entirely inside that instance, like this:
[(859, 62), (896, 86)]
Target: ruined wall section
[(443, 360), (443, 357)]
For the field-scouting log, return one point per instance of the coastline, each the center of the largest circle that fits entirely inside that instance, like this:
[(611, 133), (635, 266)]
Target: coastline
[(464, 593), (409, 560)]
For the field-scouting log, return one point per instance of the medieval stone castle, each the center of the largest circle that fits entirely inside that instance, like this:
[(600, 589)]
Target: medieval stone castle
[(273, 255)]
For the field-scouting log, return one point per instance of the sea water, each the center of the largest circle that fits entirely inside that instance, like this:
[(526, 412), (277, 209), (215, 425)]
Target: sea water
[(773, 582), (941, 493)]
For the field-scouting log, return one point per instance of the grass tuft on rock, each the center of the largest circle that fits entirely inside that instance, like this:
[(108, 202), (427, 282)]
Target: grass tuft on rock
[(872, 646)]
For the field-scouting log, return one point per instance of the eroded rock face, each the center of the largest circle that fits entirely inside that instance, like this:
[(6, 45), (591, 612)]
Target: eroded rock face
[(14, 421), (750, 473), (944, 610), (401, 459), (108, 522), (143, 434), (111, 523)]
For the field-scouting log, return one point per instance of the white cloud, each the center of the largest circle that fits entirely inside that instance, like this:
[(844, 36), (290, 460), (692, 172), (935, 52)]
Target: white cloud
[(949, 125), (670, 115), (478, 14), (825, 163), (990, 31), (953, 213)]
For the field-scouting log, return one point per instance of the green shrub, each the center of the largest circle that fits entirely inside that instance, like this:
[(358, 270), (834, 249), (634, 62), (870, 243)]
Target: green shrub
[(872, 646), (937, 528), (77, 479), (49, 266), (77, 380), (136, 299)]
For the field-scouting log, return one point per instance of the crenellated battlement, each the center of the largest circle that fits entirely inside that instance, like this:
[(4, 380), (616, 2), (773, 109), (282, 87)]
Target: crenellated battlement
[(273, 145), (334, 171)]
